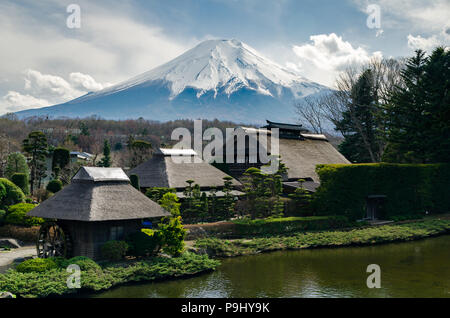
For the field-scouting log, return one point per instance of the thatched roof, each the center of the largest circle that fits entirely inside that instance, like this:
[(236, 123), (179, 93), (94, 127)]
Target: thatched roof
[(310, 186), (300, 155), (170, 171), (99, 194)]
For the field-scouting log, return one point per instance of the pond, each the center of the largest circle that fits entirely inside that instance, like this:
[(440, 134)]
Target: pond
[(413, 269)]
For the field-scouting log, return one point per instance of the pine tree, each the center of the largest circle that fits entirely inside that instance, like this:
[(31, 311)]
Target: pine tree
[(106, 160), (359, 122), (419, 111), (35, 145)]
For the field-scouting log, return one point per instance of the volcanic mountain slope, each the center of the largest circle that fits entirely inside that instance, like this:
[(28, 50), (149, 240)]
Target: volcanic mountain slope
[(223, 79)]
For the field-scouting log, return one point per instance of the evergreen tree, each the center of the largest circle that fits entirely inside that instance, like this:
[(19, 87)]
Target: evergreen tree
[(16, 163), (35, 145), (360, 121), (106, 160), (419, 111), (61, 158)]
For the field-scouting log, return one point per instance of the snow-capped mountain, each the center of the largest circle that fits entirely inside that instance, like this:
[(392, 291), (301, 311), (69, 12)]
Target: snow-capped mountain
[(224, 79)]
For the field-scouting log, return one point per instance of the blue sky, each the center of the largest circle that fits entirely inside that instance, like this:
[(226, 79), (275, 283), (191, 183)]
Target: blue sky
[(44, 62)]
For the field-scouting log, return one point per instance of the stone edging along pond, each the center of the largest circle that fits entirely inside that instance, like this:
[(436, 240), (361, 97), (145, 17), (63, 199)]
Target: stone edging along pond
[(216, 247)]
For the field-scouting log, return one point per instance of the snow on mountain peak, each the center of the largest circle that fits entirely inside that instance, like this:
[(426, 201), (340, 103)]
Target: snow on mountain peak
[(226, 65)]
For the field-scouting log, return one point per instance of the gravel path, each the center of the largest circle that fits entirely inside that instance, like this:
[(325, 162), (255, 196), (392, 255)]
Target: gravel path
[(8, 257)]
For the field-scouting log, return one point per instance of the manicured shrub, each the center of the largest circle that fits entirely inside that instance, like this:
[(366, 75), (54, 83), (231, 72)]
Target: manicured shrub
[(10, 193), (54, 186), (85, 263), (17, 215), (156, 193), (247, 227), (172, 235), (410, 189), (114, 250), (21, 180), (37, 265), (144, 243)]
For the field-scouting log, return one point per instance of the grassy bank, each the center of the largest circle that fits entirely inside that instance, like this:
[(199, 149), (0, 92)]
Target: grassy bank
[(53, 282), (247, 228), (367, 236)]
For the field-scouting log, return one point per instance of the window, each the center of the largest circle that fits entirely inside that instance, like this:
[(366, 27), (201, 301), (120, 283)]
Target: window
[(116, 233)]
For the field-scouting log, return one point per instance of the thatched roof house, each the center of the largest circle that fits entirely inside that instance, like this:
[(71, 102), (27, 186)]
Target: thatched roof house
[(300, 151), (171, 168), (99, 205)]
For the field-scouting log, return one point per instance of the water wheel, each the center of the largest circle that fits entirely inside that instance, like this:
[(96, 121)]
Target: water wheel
[(53, 241)]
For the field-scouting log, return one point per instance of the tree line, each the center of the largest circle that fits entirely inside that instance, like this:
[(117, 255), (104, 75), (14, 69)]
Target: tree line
[(389, 110)]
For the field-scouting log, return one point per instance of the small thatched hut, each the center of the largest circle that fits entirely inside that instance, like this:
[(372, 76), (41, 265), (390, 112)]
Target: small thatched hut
[(98, 206), (171, 168)]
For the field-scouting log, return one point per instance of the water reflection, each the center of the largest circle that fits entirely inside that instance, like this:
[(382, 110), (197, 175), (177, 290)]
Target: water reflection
[(414, 269)]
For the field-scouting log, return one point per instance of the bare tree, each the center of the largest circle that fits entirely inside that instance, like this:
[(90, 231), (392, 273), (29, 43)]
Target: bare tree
[(311, 113), (385, 76)]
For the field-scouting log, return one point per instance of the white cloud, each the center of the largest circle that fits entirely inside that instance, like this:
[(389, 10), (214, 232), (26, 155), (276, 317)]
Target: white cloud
[(49, 85), (418, 42), (86, 82), (15, 101), (429, 43), (414, 15), (327, 55), (45, 89), (111, 46)]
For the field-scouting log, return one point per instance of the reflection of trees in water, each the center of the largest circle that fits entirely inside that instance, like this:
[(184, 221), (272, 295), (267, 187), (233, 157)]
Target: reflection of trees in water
[(414, 269)]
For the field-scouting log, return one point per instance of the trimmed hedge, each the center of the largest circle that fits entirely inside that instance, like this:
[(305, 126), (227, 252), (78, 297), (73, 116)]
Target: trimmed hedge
[(36, 265), (267, 227), (85, 263), (10, 193), (17, 215), (247, 227), (411, 189)]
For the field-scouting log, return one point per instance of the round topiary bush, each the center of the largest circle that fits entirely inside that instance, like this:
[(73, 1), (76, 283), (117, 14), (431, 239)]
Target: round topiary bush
[(17, 215), (85, 263), (10, 193), (37, 265), (54, 186), (114, 250)]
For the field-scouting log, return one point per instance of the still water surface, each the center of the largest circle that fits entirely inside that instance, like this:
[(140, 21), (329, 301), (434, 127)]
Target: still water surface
[(413, 269)]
